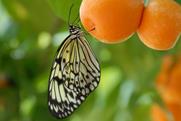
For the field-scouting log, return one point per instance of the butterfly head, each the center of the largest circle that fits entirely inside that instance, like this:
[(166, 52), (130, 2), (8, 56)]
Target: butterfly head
[(74, 29)]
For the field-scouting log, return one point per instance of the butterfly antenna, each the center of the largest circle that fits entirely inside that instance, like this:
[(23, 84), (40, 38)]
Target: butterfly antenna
[(70, 14), (78, 21), (77, 18)]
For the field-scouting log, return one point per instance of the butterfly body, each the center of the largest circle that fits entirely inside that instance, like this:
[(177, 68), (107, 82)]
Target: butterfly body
[(74, 74)]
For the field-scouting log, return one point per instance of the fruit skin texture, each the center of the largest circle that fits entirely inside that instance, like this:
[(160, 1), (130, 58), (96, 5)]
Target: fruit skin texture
[(161, 24), (113, 20)]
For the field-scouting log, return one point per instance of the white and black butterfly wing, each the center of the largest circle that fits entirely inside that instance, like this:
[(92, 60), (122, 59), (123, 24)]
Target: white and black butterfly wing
[(74, 74)]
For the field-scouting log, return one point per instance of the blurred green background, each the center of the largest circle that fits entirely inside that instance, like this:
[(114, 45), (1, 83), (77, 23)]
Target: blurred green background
[(30, 33)]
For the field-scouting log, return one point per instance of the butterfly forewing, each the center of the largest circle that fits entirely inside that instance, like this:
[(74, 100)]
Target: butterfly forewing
[(75, 73)]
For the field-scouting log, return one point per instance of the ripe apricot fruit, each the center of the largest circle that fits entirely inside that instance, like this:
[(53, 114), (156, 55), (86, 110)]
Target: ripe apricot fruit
[(161, 24), (169, 86), (168, 80), (175, 109), (163, 76), (158, 114), (111, 21), (174, 86)]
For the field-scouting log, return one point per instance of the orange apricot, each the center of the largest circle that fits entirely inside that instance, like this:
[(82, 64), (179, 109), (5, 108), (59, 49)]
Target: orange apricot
[(169, 86), (175, 81), (175, 109), (168, 80), (163, 76), (111, 21), (161, 24), (158, 114)]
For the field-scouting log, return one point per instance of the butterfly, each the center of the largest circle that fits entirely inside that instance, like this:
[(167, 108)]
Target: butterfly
[(75, 73)]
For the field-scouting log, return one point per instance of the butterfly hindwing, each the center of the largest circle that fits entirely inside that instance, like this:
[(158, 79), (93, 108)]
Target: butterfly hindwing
[(74, 74)]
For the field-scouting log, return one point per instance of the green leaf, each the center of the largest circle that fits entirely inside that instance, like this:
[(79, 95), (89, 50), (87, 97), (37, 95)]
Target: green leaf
[(62, 8), (33, 15), (178, 1)]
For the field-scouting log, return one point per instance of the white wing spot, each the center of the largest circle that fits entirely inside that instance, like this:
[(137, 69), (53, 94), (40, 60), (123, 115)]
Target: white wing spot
[(50, 85), (78, 101), (53, 91), (83, 92), (56, 108), (71, 109), (62, 92), (65, 114), (82, 98), (91, 87), (87, 90), (71, 99), (71, 86), (95, 84), (52, 74), (60, 75), (57, 70), (51, 107), (57, 92), (75, 106)]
